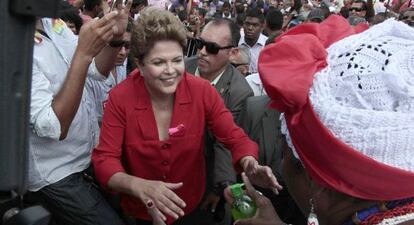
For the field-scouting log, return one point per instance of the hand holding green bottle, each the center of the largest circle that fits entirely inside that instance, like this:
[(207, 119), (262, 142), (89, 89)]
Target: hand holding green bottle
[(243, 206), (264, 213)]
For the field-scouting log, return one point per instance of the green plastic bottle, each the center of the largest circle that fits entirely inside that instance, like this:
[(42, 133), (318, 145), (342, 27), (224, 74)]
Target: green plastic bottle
[(243, 206)]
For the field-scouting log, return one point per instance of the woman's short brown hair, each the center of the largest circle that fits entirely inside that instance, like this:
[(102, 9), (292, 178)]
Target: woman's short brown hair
[(155, 25)]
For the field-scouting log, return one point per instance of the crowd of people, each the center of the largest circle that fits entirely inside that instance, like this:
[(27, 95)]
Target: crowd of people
[(145, 112)]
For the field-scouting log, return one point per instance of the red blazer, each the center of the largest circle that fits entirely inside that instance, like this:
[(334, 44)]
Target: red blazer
[(129, 139)]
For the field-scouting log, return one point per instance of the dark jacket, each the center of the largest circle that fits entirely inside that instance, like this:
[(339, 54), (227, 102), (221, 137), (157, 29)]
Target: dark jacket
[(262, 125), (234, 90)]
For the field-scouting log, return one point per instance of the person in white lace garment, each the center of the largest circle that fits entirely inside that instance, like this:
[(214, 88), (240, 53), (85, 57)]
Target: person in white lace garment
[(348, 119)]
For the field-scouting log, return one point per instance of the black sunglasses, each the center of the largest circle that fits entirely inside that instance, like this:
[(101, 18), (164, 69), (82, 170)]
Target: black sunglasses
[(211, 47), (356, 9), (127, 44)]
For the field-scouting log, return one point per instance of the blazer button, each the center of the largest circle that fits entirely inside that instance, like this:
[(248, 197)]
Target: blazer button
[(165, 146), (165, 162), (164, 177)]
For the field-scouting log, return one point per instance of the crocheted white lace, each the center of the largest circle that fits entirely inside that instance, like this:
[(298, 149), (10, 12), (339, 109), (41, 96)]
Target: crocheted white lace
[(365, 96)]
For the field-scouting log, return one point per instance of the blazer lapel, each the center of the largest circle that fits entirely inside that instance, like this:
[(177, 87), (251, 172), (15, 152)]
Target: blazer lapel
[(223, 84), (143, 108), (182, 106)]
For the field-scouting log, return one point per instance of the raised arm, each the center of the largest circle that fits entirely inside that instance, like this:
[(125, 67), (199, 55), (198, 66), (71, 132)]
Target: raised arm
[(92, 38), (93, 41), (105, 60)]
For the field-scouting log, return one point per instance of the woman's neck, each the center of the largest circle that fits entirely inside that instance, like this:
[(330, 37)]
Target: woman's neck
[(162, 102), (166, 105)]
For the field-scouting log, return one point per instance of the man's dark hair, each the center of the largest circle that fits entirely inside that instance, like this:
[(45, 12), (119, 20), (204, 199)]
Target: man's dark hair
[(297, 5), (234, 29), (71, 15), (364, 4), (325, 10), (226, 4), (90, 4), (136, 3), (274, 19), (68, 13), (257, 13), (344, 12)]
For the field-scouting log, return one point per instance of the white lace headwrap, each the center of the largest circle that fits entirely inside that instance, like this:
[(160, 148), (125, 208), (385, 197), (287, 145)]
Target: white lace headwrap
[(365, 96)]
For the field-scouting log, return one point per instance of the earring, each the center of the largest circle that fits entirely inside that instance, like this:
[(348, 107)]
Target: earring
[(312, 218)]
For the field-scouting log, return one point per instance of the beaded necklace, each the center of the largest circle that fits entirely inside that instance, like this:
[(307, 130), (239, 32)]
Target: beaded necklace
[(392, 212)]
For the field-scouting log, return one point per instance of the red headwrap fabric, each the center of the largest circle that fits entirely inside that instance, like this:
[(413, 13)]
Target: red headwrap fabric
[(287, 70)]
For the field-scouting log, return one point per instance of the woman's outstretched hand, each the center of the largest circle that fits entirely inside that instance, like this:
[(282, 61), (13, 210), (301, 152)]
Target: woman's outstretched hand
[(261, 176), (159, 197)]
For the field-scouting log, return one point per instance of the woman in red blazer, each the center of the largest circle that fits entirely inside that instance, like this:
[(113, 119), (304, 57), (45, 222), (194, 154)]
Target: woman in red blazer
[(151, 146)]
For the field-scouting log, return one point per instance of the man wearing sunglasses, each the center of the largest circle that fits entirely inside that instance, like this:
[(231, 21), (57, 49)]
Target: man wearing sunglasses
[(358, 9), (217, 43), (119, 72)]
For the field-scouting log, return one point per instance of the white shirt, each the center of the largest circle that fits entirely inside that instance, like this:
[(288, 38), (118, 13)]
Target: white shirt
[(379, 7), (121, 72), (254, 51), (256, 84), (215, 81), (100, 89), (224, 16), (51, 160)]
